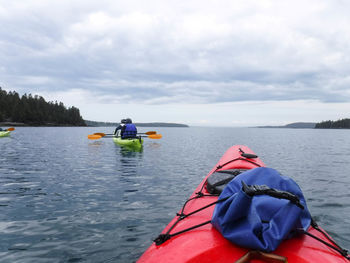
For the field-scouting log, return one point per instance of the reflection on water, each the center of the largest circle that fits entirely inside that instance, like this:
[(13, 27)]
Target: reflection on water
[(130, 151), (96, 143), (64, 198), (154, 145)]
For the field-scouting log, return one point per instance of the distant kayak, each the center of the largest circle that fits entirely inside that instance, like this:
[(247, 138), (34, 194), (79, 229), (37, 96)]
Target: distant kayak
[(190, 236), (135, 143), (4, 133)]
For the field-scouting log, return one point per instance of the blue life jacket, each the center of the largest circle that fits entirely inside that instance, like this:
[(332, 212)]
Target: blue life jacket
[(251, 216), (130, 131)]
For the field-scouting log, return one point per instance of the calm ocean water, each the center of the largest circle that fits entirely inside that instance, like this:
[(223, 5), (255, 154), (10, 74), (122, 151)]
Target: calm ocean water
[(64, 198)]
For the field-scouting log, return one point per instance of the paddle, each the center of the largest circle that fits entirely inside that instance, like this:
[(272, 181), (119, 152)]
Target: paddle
[(104, 134), (96, 136), (148, 133), (154, 136), (10, 129)]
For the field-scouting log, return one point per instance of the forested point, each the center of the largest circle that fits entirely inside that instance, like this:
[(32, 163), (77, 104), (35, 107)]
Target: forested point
[(339, 124), (35, 110)]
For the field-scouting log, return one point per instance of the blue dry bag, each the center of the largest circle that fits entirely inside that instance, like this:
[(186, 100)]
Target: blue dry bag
[(261, 208)]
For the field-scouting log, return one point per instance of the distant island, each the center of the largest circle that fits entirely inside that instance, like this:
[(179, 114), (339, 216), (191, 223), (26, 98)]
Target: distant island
[(339, 124), (294, 125), (31, 110), (149, 124)]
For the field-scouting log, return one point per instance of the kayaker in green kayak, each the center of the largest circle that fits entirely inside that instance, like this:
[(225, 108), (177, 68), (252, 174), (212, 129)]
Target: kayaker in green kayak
[(127, 129)]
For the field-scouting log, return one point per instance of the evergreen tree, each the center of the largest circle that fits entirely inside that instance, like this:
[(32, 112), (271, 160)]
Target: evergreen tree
[(339, 124), (34, 110)]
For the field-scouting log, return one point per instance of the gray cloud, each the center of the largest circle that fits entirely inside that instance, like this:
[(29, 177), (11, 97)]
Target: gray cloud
[(161, 52)]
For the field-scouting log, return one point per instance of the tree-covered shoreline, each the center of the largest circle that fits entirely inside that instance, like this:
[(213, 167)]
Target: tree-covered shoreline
[(339, 124), (35, 111)]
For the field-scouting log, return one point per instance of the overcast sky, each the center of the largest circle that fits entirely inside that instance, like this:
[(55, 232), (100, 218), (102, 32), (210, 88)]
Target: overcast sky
[(213, 63)]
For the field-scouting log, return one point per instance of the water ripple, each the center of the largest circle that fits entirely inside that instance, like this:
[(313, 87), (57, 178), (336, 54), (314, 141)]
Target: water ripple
[(64, 198)]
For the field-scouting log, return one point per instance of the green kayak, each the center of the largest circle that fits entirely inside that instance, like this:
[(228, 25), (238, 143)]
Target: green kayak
[(4, 133), (131, 142)]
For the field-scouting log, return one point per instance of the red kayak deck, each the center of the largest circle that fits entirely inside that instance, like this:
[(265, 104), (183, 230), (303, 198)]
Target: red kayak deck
[(206, 244)]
